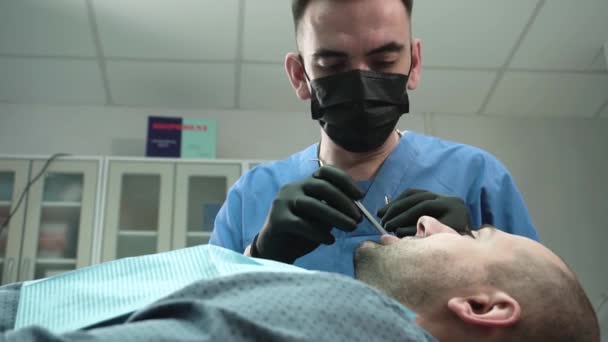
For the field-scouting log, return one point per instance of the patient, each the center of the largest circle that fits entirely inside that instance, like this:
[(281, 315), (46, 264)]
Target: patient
[(490, 286)]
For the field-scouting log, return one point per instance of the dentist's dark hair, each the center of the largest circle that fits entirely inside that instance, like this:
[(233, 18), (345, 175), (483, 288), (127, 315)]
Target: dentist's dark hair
[(298, 7)]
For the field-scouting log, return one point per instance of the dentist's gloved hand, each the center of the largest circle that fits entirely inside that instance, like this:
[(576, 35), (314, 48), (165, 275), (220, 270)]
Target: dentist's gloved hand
[(304, 213), (402, 214)]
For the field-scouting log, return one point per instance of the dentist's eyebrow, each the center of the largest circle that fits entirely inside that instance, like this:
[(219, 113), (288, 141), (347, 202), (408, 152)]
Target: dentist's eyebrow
[(326, 53), (390, 47)]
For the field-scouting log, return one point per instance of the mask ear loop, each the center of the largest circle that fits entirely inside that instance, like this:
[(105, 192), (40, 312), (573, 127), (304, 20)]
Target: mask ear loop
[(311, 89), (303, 67), (318, 160), (408, 78), (411, 61)]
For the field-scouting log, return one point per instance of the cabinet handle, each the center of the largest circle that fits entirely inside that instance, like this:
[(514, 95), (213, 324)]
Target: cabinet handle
[(25, 266), (10, 266)]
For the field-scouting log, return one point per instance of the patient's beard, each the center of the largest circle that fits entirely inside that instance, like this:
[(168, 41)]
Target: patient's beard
[(417, 277)]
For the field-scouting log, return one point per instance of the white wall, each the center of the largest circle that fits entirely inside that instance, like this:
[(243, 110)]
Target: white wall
[(122, 131), (560, 165)]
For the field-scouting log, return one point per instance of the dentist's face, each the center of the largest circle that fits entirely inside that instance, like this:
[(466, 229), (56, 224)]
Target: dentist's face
[(337, 36)]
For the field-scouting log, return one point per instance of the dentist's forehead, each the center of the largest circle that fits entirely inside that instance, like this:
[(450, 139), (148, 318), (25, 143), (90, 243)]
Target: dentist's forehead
[(360, 20)]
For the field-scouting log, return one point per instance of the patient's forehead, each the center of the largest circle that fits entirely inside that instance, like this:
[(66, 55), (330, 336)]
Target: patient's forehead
[(535, 248)]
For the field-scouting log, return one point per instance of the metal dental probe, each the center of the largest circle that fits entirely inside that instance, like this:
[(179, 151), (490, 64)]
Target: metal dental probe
[(370, 218), (366, 213)]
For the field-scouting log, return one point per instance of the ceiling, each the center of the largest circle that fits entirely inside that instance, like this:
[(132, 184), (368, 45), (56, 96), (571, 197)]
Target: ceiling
[(481, 57)]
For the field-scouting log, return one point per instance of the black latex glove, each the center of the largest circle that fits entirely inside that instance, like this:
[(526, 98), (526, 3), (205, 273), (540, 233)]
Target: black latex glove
[(304, 213), (402, 214)]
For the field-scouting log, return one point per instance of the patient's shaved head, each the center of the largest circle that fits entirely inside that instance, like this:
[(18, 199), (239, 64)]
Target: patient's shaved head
[(554, 305)]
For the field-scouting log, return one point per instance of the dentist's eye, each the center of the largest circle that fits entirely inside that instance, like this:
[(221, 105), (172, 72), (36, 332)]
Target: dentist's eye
[(383, 64), (334, 68)]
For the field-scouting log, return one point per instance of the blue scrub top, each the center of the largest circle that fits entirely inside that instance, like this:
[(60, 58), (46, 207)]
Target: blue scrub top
[(419, 162)]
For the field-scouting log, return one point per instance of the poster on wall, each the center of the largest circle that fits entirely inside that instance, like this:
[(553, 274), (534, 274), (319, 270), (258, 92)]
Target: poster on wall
[(175, 137)]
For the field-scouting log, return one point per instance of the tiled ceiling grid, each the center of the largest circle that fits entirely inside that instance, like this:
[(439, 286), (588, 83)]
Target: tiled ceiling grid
[(485, 57)]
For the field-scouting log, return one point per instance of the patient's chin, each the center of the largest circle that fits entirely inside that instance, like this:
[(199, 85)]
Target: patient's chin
[(364, 251)]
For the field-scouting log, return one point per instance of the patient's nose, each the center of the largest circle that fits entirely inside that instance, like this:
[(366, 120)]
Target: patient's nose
[(428, 226)]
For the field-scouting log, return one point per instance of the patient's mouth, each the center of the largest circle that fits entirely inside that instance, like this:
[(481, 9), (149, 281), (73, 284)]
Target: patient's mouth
[(388, 240)]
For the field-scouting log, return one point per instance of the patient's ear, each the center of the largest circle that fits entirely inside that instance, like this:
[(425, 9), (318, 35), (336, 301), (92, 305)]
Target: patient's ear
[(490, 309)]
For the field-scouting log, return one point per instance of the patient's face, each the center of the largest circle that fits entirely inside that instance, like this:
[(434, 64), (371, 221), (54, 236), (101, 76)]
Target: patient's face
[(437, 261)]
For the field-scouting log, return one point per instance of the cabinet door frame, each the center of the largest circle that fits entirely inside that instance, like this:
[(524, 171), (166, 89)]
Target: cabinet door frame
[(250, 164), (90, 169), (231, 170), (116, 169), (21, 170)]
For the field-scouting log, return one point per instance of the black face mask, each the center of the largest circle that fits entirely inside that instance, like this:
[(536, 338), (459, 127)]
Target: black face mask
[(359, 109)]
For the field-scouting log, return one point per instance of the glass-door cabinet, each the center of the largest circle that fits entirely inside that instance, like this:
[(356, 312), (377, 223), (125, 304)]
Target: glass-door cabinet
[(200, 191), (156, 205), (60, 223), (13, 180), (139, 204)]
